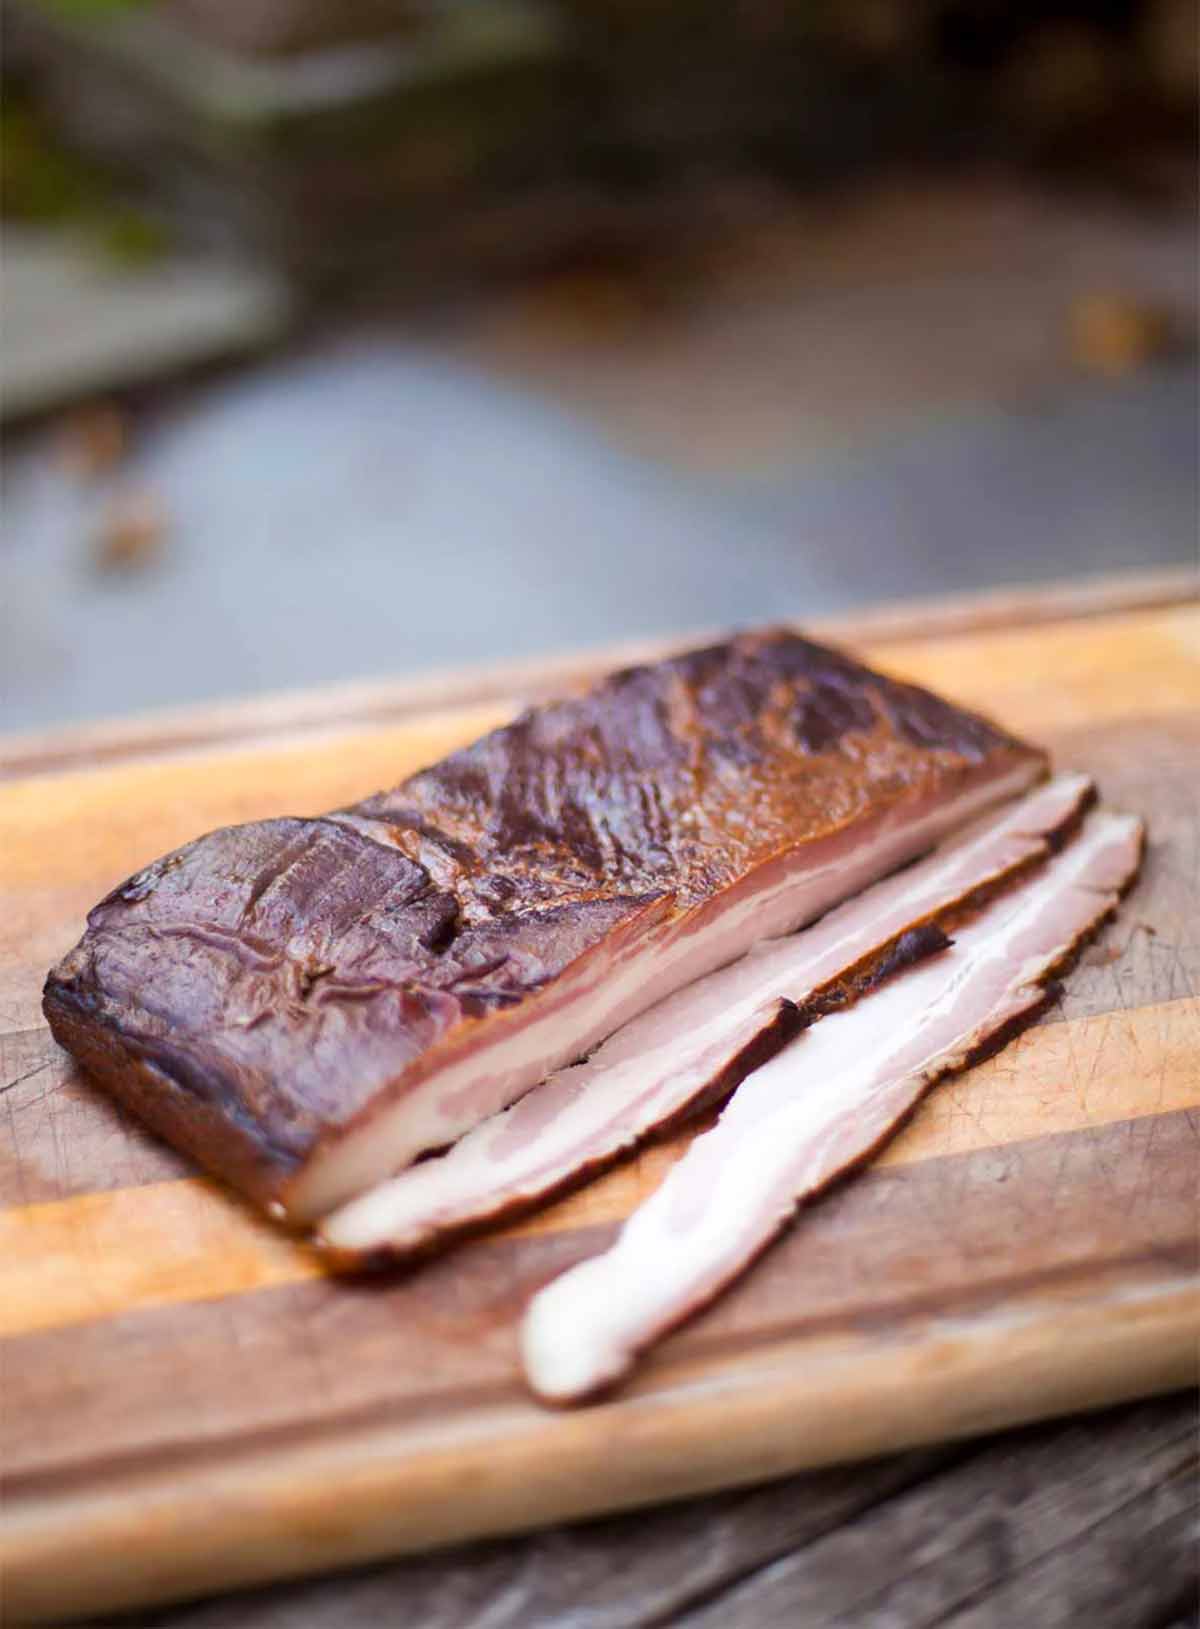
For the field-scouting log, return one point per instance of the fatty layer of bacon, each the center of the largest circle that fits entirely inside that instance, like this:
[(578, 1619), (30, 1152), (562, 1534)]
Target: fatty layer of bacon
[(828, 1101)]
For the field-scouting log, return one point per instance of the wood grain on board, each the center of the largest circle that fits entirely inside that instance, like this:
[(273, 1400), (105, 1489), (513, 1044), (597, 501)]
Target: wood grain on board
[(190, 1402)]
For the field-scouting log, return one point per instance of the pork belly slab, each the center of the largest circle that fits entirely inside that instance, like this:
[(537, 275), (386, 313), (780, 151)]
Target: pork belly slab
[(825, 1103), (306, 1005), (693, 1047)]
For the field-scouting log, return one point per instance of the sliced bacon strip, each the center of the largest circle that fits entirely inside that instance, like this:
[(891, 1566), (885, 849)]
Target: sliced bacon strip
[(693, 1047), (824, 1104)]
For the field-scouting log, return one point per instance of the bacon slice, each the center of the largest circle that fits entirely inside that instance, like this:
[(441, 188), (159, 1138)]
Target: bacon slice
[(824, 1104), (307, 1005), (693, 1047)]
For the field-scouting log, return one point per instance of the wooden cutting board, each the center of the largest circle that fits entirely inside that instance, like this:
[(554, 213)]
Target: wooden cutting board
[(189, 1402)]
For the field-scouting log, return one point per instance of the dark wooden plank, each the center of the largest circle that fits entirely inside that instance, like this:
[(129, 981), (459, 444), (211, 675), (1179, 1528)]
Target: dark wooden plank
[(1126, 1570), (1010, 1537), (1080, 1524)]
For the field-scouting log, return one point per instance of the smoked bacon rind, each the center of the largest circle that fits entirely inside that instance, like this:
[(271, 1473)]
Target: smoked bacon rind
[(306, 1005)]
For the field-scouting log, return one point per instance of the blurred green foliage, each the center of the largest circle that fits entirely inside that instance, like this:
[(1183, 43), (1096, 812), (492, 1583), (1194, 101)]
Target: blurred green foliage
[(91, 8), (37, 182), (40, 184)]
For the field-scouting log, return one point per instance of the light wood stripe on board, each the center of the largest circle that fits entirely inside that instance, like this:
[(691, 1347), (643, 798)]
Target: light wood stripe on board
[(91, 824)]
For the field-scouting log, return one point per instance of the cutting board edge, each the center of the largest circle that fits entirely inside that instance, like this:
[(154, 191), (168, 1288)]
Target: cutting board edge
[(296, 1501), (312, 1506)]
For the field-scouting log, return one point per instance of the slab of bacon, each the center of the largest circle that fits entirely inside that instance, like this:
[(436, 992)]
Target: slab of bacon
[(825, 1103), (307, 1005)]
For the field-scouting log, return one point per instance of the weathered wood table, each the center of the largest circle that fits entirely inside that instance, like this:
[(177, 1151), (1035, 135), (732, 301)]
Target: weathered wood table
[(189, 1404)]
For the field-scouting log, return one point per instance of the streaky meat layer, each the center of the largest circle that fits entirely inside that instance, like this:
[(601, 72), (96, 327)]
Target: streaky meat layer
[(306, 1005), (687, 1051), (825, 1103)]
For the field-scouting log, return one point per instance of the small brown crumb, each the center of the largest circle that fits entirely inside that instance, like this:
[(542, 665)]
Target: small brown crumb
[(94, 440), (133, 532), (1114, 334)]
